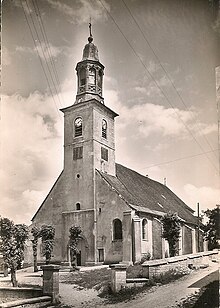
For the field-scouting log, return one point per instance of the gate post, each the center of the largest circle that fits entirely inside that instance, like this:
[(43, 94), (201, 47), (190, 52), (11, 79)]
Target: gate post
[(51, 281), (118, 276)]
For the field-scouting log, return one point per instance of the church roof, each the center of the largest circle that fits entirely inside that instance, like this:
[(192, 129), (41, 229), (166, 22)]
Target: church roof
[(146, 195)]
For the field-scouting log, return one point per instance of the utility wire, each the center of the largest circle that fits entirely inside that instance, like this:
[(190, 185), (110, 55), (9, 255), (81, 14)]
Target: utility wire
[(157, 84), (162, 67), (178, 159), (47, 44), (41, 62), (43, 53)]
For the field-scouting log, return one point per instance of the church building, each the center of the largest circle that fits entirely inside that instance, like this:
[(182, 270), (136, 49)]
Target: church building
[(118, 209)]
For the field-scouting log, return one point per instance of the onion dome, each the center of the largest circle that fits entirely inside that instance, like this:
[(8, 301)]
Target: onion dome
[(90, 51)]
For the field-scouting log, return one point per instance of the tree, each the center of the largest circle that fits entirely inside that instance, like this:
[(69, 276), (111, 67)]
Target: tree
[(13, 244), (212, 228), (171, 231), (36, 235), (74, 237), (47, 234)]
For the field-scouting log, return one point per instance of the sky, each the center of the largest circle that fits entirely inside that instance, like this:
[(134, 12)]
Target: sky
[(160, 58)]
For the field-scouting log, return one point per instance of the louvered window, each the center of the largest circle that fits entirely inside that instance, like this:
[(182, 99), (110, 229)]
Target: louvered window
[(104, 129), (104, 154), (77, 153)]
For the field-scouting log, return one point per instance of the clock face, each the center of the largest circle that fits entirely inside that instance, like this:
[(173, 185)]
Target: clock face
[(78, 122)]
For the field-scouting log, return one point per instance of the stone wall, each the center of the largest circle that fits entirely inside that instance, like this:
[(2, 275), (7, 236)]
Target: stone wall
[(155, 268), (19, 293)]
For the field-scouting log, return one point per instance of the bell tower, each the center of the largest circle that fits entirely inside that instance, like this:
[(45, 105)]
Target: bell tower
[(89, 140), (89, 73)]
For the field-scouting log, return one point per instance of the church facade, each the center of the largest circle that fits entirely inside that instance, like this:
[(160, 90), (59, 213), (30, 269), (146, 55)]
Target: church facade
[(117, 209)]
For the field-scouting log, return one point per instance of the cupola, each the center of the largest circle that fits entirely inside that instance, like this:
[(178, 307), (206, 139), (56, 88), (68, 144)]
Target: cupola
[(89, 74)]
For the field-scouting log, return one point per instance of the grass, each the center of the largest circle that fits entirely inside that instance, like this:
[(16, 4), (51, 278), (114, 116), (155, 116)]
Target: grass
[(96, 279), (100, 279)]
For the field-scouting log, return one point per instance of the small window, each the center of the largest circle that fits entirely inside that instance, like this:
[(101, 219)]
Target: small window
[(77, 206), (144, 229), (101, 255), (117, 229), (104, 129), (82, 77), (104, 154), (77, 153), (92, 74), (78, 127)]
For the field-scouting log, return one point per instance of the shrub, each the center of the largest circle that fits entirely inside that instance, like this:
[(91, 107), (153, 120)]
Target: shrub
[(145, 257)]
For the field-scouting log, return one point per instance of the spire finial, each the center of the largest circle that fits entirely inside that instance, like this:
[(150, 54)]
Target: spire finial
[(90, 38)]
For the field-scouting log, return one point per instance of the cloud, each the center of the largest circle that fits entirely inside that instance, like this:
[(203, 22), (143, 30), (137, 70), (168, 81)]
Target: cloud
[(31, 141), (25, 6), (83, 11), (45, 51), (6, 56), (145, 120), (206, 195)]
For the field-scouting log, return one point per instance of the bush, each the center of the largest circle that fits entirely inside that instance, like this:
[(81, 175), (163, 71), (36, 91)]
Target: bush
[(145, 257)]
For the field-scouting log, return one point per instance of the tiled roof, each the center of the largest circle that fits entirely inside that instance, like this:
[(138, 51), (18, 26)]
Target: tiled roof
[(145, 193)]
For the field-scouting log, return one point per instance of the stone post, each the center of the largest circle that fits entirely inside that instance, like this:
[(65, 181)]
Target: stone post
[(118, 277), (51, 281), (137, 239), (127, 238), (193, 241)]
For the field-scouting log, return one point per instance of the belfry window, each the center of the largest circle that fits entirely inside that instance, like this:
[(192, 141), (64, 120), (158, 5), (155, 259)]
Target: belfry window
[(117, 229), (100, 78), (78, 127), (144, 229), (104, 129), (82, 77), (92, 74), (78, 206)]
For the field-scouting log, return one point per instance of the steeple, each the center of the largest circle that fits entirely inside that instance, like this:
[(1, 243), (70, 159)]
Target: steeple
[(89, 73)]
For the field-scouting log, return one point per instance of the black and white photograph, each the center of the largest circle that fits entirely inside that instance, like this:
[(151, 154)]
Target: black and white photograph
[(110, 153)]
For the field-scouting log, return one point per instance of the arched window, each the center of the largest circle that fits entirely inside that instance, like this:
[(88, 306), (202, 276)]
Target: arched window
[(144, 229), (77, 206), (82, 77), (100, 78), (78, 127), (92, 73), (104, 129), (117, 229)]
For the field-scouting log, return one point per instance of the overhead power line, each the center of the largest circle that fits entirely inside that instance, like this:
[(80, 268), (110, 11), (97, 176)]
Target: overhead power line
[(157, 84), (163, 68), (38, 54), (43, 53), (180, 158), (47, 44)]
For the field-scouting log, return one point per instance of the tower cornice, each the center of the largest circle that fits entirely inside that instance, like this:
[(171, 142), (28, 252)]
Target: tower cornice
[(88, 103)]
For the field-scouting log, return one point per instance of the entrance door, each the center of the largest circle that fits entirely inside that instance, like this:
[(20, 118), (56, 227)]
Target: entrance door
[(78, 259)]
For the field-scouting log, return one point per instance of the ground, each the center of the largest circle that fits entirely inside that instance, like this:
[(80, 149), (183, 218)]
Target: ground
[(76, 295)]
